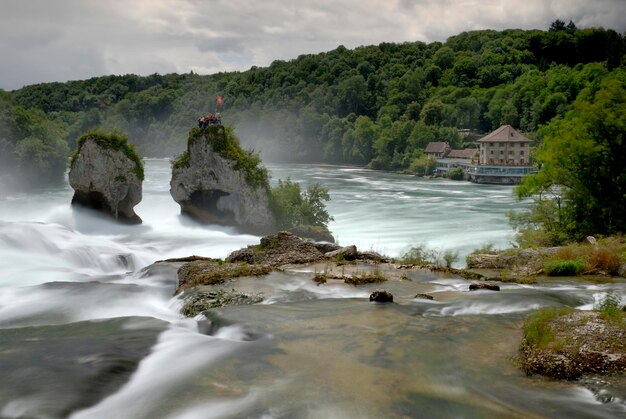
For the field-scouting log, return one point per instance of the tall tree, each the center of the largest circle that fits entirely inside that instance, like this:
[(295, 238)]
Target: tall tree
[(582, 159)]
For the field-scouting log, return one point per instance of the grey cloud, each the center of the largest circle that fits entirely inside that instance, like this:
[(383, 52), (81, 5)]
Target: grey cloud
[(43, 40)]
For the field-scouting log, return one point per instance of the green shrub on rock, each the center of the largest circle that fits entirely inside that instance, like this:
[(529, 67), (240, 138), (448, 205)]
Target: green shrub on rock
[(111, 140), (564, 267), (293, 207)]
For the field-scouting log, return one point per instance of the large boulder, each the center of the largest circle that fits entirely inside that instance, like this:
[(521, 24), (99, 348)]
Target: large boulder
[(278, 249), (216, 182), (106, 174)]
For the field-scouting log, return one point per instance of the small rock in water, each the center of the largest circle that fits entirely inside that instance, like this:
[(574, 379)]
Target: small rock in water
[(476, 286), (347, 253), (381, 296), (424, 296)]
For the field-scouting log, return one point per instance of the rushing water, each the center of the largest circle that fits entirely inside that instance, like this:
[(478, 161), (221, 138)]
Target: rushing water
[(87, 332)]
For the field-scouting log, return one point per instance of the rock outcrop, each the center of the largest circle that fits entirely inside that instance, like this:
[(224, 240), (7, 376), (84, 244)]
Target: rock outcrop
[(344, 253), (106, 174), (583, 342), (278, 249), (511, 259), (213, 185)]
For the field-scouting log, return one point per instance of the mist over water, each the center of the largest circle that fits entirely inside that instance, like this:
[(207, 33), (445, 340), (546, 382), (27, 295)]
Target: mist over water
[(90, 329)]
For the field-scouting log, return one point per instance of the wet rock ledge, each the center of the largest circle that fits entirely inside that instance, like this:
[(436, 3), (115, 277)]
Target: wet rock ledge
[(567, 344)]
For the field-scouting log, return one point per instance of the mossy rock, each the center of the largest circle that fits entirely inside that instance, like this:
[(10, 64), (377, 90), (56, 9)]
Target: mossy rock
[(278, 249), (564, 343), (113, 141), (212, 272), (201, 301)]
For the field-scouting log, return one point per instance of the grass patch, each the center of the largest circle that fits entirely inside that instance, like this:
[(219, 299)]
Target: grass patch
[(571, 267), (607, 256), (417, 255), (215, 272), (610, 308), (537, 331), (112, 140), (487, 248), (182, 160)]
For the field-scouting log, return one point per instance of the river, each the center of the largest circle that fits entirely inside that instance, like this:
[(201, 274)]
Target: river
[(86, 331)]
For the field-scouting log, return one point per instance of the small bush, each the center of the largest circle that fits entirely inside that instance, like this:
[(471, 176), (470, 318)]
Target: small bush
[(486, 248), (418, 255), (450, 256), (292, 207), (571, 267), (606, 256), (456, 173), (537, 331), (609, 308), (182, 160)]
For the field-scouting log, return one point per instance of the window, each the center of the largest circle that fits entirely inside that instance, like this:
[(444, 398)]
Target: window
[(501, 151), (491, 152), (521, 152), (501, 161), (490, 144), (511, 152), (521, 161)]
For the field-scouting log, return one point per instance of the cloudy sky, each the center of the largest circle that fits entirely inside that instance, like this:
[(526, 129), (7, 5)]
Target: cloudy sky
[(60, 40)]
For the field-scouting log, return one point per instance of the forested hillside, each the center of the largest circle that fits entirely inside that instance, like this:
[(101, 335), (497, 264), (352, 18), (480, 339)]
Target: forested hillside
[(377, 105)]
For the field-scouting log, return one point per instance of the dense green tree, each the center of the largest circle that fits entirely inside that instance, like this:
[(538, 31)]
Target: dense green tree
[(312, 108), (293, 207), (582, 182)]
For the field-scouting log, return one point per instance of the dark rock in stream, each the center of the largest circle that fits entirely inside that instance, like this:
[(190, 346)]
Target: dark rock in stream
[(424, 296), (343, 253), (381, 296), (477, 286), (53, 371)]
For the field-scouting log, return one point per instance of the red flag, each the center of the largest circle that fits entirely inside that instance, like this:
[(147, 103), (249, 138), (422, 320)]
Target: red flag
[(220, 101)]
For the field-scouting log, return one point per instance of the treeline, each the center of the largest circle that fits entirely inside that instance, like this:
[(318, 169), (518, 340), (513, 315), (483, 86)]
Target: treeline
[(376, 105)]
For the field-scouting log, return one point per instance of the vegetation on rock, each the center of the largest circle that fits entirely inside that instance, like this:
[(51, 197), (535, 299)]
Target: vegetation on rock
[(114, 141), (225, 143), (210, 272), (202, 300), (422, 255), (570, 267), (565, 343), (293, 207)]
